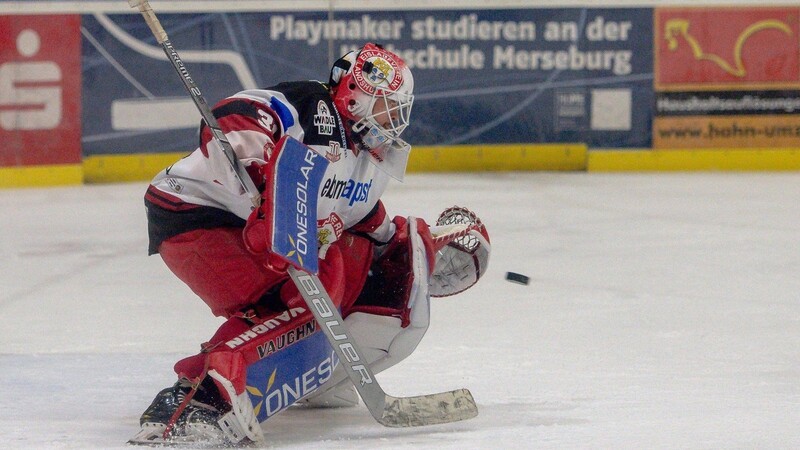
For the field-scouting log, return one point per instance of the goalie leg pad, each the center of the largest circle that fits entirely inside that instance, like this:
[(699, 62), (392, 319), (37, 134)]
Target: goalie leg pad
[(391, 316), (405, 268), (260, 362), (260, 367)]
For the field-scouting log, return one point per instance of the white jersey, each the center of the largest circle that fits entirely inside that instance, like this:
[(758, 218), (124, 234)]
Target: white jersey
[(201, 190)]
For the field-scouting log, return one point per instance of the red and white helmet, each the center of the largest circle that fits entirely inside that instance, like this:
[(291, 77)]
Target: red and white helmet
[(372, 89)]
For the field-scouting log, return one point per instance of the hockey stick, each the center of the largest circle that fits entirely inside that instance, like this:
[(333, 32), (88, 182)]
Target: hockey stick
[(245, 182), (387, 410)]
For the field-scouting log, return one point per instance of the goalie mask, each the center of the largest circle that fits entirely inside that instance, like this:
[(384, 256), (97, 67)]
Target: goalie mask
[(373, 90)]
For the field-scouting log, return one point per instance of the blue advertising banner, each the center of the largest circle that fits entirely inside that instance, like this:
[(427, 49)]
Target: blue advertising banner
[(481, 76)]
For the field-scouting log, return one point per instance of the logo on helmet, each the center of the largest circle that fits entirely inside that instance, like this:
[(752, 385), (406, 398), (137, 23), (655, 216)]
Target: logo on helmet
[(376, 68)]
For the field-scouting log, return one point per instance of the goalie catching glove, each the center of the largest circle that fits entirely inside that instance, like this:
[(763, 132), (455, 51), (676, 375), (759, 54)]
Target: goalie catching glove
[(458, 249), (464, 251), (392, 313)]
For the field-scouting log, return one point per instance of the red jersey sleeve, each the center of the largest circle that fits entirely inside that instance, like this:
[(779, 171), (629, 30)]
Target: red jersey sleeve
[(251, 127), (376, 224)]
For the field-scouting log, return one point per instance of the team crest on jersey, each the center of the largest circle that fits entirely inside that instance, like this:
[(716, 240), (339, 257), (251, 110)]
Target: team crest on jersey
[(375, 68), (330, 229), (334, 152), (324, 120)]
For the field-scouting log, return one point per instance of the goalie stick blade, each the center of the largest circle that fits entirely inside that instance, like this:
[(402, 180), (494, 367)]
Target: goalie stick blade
[(432, 409)]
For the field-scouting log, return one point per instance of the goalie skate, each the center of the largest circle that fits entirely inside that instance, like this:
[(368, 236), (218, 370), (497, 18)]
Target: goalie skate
[(191, 435), (201, 424)]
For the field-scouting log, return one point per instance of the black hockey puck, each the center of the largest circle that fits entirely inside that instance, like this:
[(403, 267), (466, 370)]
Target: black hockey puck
[(517, 278)]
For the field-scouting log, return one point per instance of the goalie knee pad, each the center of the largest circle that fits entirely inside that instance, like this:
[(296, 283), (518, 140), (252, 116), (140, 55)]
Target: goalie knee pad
[(384, 343), (400, 273), (392, 314), (393, 321)]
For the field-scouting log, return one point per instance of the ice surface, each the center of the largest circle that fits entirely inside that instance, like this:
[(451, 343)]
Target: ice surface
[(663, 312)]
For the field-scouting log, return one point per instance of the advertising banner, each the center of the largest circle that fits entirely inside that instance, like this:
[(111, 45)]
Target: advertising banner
[(727, 77), (481, 76), (40, 90)]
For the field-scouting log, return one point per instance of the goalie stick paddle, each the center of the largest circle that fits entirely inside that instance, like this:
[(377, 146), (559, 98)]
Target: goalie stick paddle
[(387, 410)]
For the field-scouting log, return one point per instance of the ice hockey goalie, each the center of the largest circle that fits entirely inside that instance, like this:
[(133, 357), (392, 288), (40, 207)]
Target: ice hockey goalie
[(379, 271)]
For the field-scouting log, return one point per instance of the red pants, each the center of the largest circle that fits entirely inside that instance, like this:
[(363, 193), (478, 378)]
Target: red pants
[(215, 264)]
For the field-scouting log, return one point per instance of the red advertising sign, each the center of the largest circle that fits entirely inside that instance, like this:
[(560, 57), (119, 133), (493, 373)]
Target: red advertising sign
[(40, 90), (724, 46)]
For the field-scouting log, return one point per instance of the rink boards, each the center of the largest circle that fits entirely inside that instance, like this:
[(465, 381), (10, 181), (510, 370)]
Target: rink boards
[(515, 88)]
